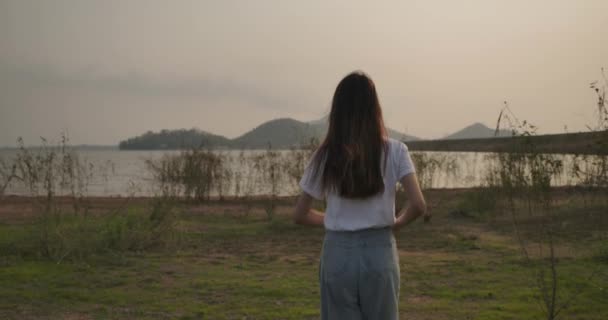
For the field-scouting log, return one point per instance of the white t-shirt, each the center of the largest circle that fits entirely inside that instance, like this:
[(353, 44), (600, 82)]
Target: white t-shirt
[(378, 211)]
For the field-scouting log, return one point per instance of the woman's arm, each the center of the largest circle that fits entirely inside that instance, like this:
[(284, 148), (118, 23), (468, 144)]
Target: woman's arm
[(416, 204), (304, 214)]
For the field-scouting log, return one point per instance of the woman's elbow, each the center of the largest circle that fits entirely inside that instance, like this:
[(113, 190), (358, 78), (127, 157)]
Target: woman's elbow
[(301, 209), (419, 207), (297, 217)]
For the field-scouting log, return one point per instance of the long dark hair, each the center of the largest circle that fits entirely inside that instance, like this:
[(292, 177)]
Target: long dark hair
[(351, 154)]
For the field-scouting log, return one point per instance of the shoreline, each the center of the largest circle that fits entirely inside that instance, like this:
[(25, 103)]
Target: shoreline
[(257, 198)]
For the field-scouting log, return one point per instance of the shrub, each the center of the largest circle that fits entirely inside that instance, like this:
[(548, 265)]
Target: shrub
[(60, 233), (77, 237), (479, 202), (193, 174)]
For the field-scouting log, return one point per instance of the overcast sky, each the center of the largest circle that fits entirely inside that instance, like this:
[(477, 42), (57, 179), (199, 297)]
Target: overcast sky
[(107, 70)]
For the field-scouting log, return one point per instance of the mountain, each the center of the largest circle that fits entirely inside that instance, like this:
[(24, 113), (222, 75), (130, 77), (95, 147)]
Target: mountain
[(287, 132), (174, 139), (400, 136), (323, 123), (478, 130), (278, 133)]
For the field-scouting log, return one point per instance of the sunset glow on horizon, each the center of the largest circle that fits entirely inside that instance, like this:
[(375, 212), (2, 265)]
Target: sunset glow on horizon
[(108, 70)]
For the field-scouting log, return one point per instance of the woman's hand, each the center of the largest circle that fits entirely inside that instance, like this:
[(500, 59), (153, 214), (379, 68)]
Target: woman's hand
[(304, 214), (416, 205), (399, 222), (427, 216)]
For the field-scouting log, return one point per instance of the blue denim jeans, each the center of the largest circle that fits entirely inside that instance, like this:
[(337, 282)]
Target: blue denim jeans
[(359, 275)]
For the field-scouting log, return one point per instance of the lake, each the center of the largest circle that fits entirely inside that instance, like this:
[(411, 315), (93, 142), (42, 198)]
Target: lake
[(123, 173)]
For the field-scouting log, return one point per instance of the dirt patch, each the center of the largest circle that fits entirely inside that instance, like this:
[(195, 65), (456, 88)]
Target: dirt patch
[(75, 316), (419, 299)]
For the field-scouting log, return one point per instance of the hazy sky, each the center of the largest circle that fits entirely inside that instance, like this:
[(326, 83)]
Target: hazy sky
[(106, 70)]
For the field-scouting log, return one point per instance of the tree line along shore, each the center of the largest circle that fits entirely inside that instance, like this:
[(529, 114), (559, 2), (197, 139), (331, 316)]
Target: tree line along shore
[(565, 143)]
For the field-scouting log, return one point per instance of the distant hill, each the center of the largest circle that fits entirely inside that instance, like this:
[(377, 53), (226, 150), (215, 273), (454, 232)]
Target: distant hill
[(174, 139), (287, 132), (400, 136), (278, 133), (323, 123), (478, 130)]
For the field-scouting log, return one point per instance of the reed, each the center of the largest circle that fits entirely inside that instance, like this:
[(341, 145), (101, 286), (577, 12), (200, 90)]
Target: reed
[(56, 178)]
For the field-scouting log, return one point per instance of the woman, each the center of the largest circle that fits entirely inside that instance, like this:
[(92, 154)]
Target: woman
[(356, 170)]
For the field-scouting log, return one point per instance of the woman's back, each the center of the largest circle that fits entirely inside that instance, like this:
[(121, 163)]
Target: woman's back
[(377, 211)]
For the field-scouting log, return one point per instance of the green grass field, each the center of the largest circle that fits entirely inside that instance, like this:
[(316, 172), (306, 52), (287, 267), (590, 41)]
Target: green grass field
[(225, 264)]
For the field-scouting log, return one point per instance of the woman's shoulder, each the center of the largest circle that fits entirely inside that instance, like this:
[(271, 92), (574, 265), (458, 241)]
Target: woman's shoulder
[(395, 145)]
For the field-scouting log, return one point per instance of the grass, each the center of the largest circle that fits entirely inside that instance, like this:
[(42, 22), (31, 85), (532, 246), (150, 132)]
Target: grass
[(231, 265)]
